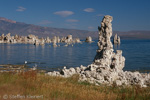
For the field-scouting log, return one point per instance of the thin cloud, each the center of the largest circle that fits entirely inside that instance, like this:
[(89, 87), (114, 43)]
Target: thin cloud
[(72, 20), (64, 13), (100, 15), (45, 22), (21, 9), (89, 10), (71, 24)]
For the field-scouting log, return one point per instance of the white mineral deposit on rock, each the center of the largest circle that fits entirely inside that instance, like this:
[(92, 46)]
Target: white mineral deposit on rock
[(116, 39), (107, 65), (33, 39), (89, 39)]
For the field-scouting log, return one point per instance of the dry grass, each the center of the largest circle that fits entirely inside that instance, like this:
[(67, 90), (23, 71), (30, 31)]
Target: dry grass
[(58, 88)]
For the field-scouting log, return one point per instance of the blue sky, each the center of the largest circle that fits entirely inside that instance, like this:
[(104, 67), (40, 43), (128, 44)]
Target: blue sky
[(79, 14)]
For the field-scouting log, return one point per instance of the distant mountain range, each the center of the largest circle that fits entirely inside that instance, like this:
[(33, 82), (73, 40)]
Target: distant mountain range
[(13, 27)]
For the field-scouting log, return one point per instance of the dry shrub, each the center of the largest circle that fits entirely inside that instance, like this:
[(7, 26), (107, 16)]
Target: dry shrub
[(58, 88)]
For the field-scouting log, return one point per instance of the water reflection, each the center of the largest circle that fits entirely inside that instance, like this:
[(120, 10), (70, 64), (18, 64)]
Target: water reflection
[(116, 47), (136, 54)]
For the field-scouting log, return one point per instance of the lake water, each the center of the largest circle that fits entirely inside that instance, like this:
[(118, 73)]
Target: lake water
[(136, 52)]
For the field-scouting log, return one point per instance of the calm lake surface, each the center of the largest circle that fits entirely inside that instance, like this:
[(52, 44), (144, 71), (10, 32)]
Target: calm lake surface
[(136, 52)]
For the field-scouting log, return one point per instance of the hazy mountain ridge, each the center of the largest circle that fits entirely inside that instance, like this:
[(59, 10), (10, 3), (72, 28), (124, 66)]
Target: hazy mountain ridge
[(139, 34), (13, 27)]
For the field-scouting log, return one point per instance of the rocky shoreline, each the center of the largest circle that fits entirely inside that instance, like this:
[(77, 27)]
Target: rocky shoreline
[(107, 67), (7, 68)]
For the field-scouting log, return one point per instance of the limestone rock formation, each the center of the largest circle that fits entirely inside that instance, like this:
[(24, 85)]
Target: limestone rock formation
[(48, 40), (58, 39), (54, 40), (42, 41), (7, 38), (33, 39), (76, 40), (105, 56), (116, 39), (36, 42), (88, 39), (69, 39), (107, 66)]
